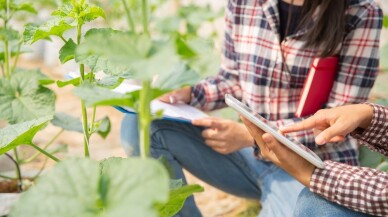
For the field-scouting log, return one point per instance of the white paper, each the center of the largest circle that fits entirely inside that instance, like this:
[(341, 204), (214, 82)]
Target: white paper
[(175, 111)]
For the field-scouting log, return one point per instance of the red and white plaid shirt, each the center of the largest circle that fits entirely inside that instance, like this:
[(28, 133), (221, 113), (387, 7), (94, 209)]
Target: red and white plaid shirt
[(361, 189), (253, 70)]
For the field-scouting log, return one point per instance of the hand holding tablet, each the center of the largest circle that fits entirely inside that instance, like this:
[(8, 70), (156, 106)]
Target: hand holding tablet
[(266, 126)]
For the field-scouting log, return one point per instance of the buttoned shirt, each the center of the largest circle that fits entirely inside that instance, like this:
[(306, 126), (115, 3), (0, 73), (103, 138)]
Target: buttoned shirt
[(254, 71), (358, 188)]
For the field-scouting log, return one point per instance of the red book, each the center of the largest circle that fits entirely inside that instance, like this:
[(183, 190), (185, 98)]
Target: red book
[(317, 87)]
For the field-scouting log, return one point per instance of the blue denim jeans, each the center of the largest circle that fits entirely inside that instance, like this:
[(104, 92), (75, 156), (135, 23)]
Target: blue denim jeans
[(310, 204), (239, 173)]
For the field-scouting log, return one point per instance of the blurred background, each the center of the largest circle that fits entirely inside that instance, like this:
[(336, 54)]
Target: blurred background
[(201, 22)]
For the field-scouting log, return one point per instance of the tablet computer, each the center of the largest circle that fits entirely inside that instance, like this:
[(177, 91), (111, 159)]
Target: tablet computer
[(266, 126)]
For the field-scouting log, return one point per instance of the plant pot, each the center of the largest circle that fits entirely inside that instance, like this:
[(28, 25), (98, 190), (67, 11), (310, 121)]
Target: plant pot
[(7, 200)]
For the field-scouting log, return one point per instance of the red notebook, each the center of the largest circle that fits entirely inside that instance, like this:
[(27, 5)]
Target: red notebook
[(318, 84)]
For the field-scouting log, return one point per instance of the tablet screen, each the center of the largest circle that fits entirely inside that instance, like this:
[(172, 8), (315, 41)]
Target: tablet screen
[(268, 127)]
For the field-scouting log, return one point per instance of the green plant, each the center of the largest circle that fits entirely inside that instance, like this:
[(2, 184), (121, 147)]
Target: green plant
[(117, 181)]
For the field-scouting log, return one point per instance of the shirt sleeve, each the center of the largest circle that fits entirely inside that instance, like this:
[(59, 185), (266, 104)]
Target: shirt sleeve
[(209, 94), (358, 68), (375, 136), (357, 188)]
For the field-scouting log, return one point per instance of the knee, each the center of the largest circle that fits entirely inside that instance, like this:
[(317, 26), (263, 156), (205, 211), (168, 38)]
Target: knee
[(306, 203)]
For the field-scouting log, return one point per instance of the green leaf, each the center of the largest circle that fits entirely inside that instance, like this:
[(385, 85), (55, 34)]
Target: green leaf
[(53, 27), (383, 166), (67, 122), (23, 99), (20, 134), (91, 12), (67, 52), (369, 158), (385, 21), (98, 96), (110, 82), (82, 187), (27, 7), (384, 58), (8, 34), (104, 127), (182, 75), (74, 81), (183, 49), (177, 199)]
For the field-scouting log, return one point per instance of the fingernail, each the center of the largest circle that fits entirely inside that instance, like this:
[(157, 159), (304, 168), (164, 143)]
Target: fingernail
[(171, 99), (319, 140)]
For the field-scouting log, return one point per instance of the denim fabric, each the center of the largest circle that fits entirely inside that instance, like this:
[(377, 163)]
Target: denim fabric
[(310, 204), (239, 173)]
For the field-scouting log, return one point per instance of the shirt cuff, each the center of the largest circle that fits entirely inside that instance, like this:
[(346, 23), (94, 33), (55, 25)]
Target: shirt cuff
[(377, 126), (323, 181)]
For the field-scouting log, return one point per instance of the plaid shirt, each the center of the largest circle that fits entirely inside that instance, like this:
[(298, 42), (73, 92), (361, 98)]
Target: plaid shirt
[(361, 189), (253, 69)]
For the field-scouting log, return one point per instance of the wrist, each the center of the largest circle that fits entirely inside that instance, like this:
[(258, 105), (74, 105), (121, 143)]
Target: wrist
[(366, 112)]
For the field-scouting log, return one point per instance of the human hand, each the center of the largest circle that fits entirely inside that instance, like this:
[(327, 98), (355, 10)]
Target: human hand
[(332, 125), (281, 155), (180, 95), (224, 136)]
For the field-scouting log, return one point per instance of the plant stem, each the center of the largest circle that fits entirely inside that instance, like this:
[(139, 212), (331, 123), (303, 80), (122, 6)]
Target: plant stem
[(17, 56), (85, 128), (6, 177), (83, 107), (45, 153), (91, 128), (144, 7), (145, 118), (28, 160), (131, 24), (18, 172), (63, 39), (6, 59)]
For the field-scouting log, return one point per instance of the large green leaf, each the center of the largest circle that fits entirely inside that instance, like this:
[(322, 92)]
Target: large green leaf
[(23, 99), (385, 22), (53, 27), (177, 199), (182, 75), (20, 134), (67, 52), (8, 34), (98, 96), (369, 158), (82, 187), (67, 122)]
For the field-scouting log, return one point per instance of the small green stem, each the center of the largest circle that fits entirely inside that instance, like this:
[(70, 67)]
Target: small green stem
[(45, 153), (131, 24), (85, 129), (30, 159), (18, 172), (145, 118), (63, 39), (6, 59), (17, 56), (91, 128), (144, 7), (41, 169), (6, 177)]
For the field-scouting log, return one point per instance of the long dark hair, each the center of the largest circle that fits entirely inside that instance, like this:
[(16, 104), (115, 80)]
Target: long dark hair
[(329, 26)]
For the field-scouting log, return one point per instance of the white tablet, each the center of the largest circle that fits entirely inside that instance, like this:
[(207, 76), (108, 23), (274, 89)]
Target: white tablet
[(266, 126)]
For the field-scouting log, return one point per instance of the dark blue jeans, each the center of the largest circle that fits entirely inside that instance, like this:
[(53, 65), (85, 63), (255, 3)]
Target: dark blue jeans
[(239, 173)]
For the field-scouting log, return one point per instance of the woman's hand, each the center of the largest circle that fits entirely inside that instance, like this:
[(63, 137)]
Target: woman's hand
[(224, 136), (332, 125), (180, 95), (280, 155)]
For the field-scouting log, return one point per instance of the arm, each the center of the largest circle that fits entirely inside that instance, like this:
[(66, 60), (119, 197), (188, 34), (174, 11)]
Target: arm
[(358, 67), (361, 189), (376, 135), (209, 94)]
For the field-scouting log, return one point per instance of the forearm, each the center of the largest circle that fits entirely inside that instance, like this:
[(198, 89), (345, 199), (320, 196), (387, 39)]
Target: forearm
[(375, 136), (361, 189)]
